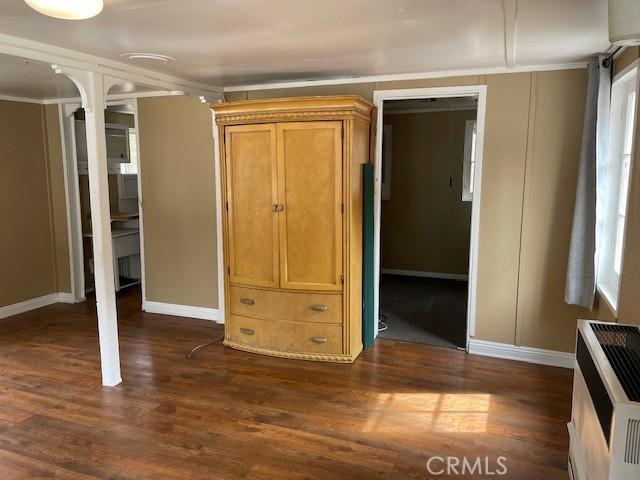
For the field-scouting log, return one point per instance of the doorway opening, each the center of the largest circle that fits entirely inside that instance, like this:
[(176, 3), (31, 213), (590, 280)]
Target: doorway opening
[(123, 181), (427, 194)]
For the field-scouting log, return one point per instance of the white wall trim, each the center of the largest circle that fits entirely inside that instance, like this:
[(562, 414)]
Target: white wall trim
[(217, 163), (110, 98), (39, 302), (429, 110), (72, 198), (407, 76), (379, 96), (10, 98), (522, 354), (116, 97), (67, 201), (67, 297), (143, 285), (202, 313), (29, 305), (422, 274)]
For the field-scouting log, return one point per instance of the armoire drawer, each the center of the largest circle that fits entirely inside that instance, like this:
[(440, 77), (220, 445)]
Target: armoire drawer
[(285, 337), (282, 305)]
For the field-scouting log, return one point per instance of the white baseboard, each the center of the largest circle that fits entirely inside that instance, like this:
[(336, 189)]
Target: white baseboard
[(28, 305), (64, 297), (523, 354), (213, 314), (418, 273)]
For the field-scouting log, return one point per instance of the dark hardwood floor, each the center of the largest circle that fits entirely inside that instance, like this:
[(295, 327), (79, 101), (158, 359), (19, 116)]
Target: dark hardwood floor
[(231, 415)]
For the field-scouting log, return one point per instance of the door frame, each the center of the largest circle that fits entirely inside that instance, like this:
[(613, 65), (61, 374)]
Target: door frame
[(74, 224), (72, 197), (379, 96)]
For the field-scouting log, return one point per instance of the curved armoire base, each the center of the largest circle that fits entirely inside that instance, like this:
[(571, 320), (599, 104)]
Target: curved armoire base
[(318, 357)]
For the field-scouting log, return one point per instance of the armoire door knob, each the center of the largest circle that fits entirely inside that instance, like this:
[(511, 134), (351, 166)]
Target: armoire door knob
[(277, 207)]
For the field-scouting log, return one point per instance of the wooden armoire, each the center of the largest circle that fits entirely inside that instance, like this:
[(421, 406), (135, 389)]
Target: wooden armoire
[(292, 193)]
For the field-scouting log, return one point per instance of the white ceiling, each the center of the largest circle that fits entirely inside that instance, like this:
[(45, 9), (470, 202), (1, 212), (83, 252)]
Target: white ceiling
[(235, 42)]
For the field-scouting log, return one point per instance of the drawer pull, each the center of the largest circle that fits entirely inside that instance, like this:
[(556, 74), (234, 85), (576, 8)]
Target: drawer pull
[(246, 331), (247, 301), (318, 339), (319, 308)]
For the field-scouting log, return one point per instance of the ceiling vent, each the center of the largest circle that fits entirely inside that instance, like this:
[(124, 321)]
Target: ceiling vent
[(148, 57)]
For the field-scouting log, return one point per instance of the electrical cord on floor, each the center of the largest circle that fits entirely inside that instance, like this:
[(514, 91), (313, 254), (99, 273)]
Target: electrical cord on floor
[(199, 347), (382, 326)]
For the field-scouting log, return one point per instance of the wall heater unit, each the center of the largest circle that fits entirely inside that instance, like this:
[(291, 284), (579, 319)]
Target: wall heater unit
[(604, 431)]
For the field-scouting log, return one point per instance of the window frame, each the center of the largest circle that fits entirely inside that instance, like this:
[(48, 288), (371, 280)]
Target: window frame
[(611, 244)]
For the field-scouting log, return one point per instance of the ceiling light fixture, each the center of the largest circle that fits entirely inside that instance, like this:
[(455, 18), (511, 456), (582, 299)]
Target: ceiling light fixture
[(67, 9), (624, 22), (155, 57)]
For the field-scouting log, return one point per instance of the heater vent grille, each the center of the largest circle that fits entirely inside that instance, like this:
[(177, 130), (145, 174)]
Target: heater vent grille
[(632, 450), (621, 345)]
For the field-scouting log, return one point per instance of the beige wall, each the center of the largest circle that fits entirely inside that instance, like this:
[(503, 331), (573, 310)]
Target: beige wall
[(32, 205), (425, 223), (503, 170), (178, 195), (532, 136), (557, 112)]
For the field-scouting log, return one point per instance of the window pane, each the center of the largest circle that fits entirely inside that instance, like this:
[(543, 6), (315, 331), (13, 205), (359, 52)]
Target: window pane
[(469, 161), (628, 131), (617, 265), (131, 168), (624, 185)]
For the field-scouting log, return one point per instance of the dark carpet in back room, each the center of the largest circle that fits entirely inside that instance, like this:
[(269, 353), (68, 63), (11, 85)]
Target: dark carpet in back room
[(424, 310)]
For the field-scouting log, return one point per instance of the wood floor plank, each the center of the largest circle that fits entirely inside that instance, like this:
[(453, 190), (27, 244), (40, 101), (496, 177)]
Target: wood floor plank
[(233, 415)]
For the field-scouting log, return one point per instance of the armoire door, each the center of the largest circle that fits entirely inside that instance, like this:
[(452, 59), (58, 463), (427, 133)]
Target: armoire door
[(252, 226), (310, 192)]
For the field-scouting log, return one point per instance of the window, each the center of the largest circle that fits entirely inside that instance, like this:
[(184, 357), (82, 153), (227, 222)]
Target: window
[(616, 186), (131, 168), (469, 165)]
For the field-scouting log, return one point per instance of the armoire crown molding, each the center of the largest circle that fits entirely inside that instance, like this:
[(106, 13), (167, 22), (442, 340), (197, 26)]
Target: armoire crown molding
[(292, 109)]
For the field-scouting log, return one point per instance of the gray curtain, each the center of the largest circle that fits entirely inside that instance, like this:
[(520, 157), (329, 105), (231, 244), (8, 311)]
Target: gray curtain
[(581, 269)]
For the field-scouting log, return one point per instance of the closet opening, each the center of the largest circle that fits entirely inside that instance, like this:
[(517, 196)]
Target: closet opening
[(427, 190)]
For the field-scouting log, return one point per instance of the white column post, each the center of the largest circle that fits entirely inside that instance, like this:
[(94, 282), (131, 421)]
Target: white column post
[(93, 93)]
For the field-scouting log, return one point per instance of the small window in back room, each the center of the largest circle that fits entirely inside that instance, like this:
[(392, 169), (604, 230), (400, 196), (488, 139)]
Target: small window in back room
[(469, 160), (616, 187), (131, 168)]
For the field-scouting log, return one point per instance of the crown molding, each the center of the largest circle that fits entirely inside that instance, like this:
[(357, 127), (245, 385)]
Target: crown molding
[(407, 76), (118, 96), (11, 98), (110, 98), (42, 52)]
